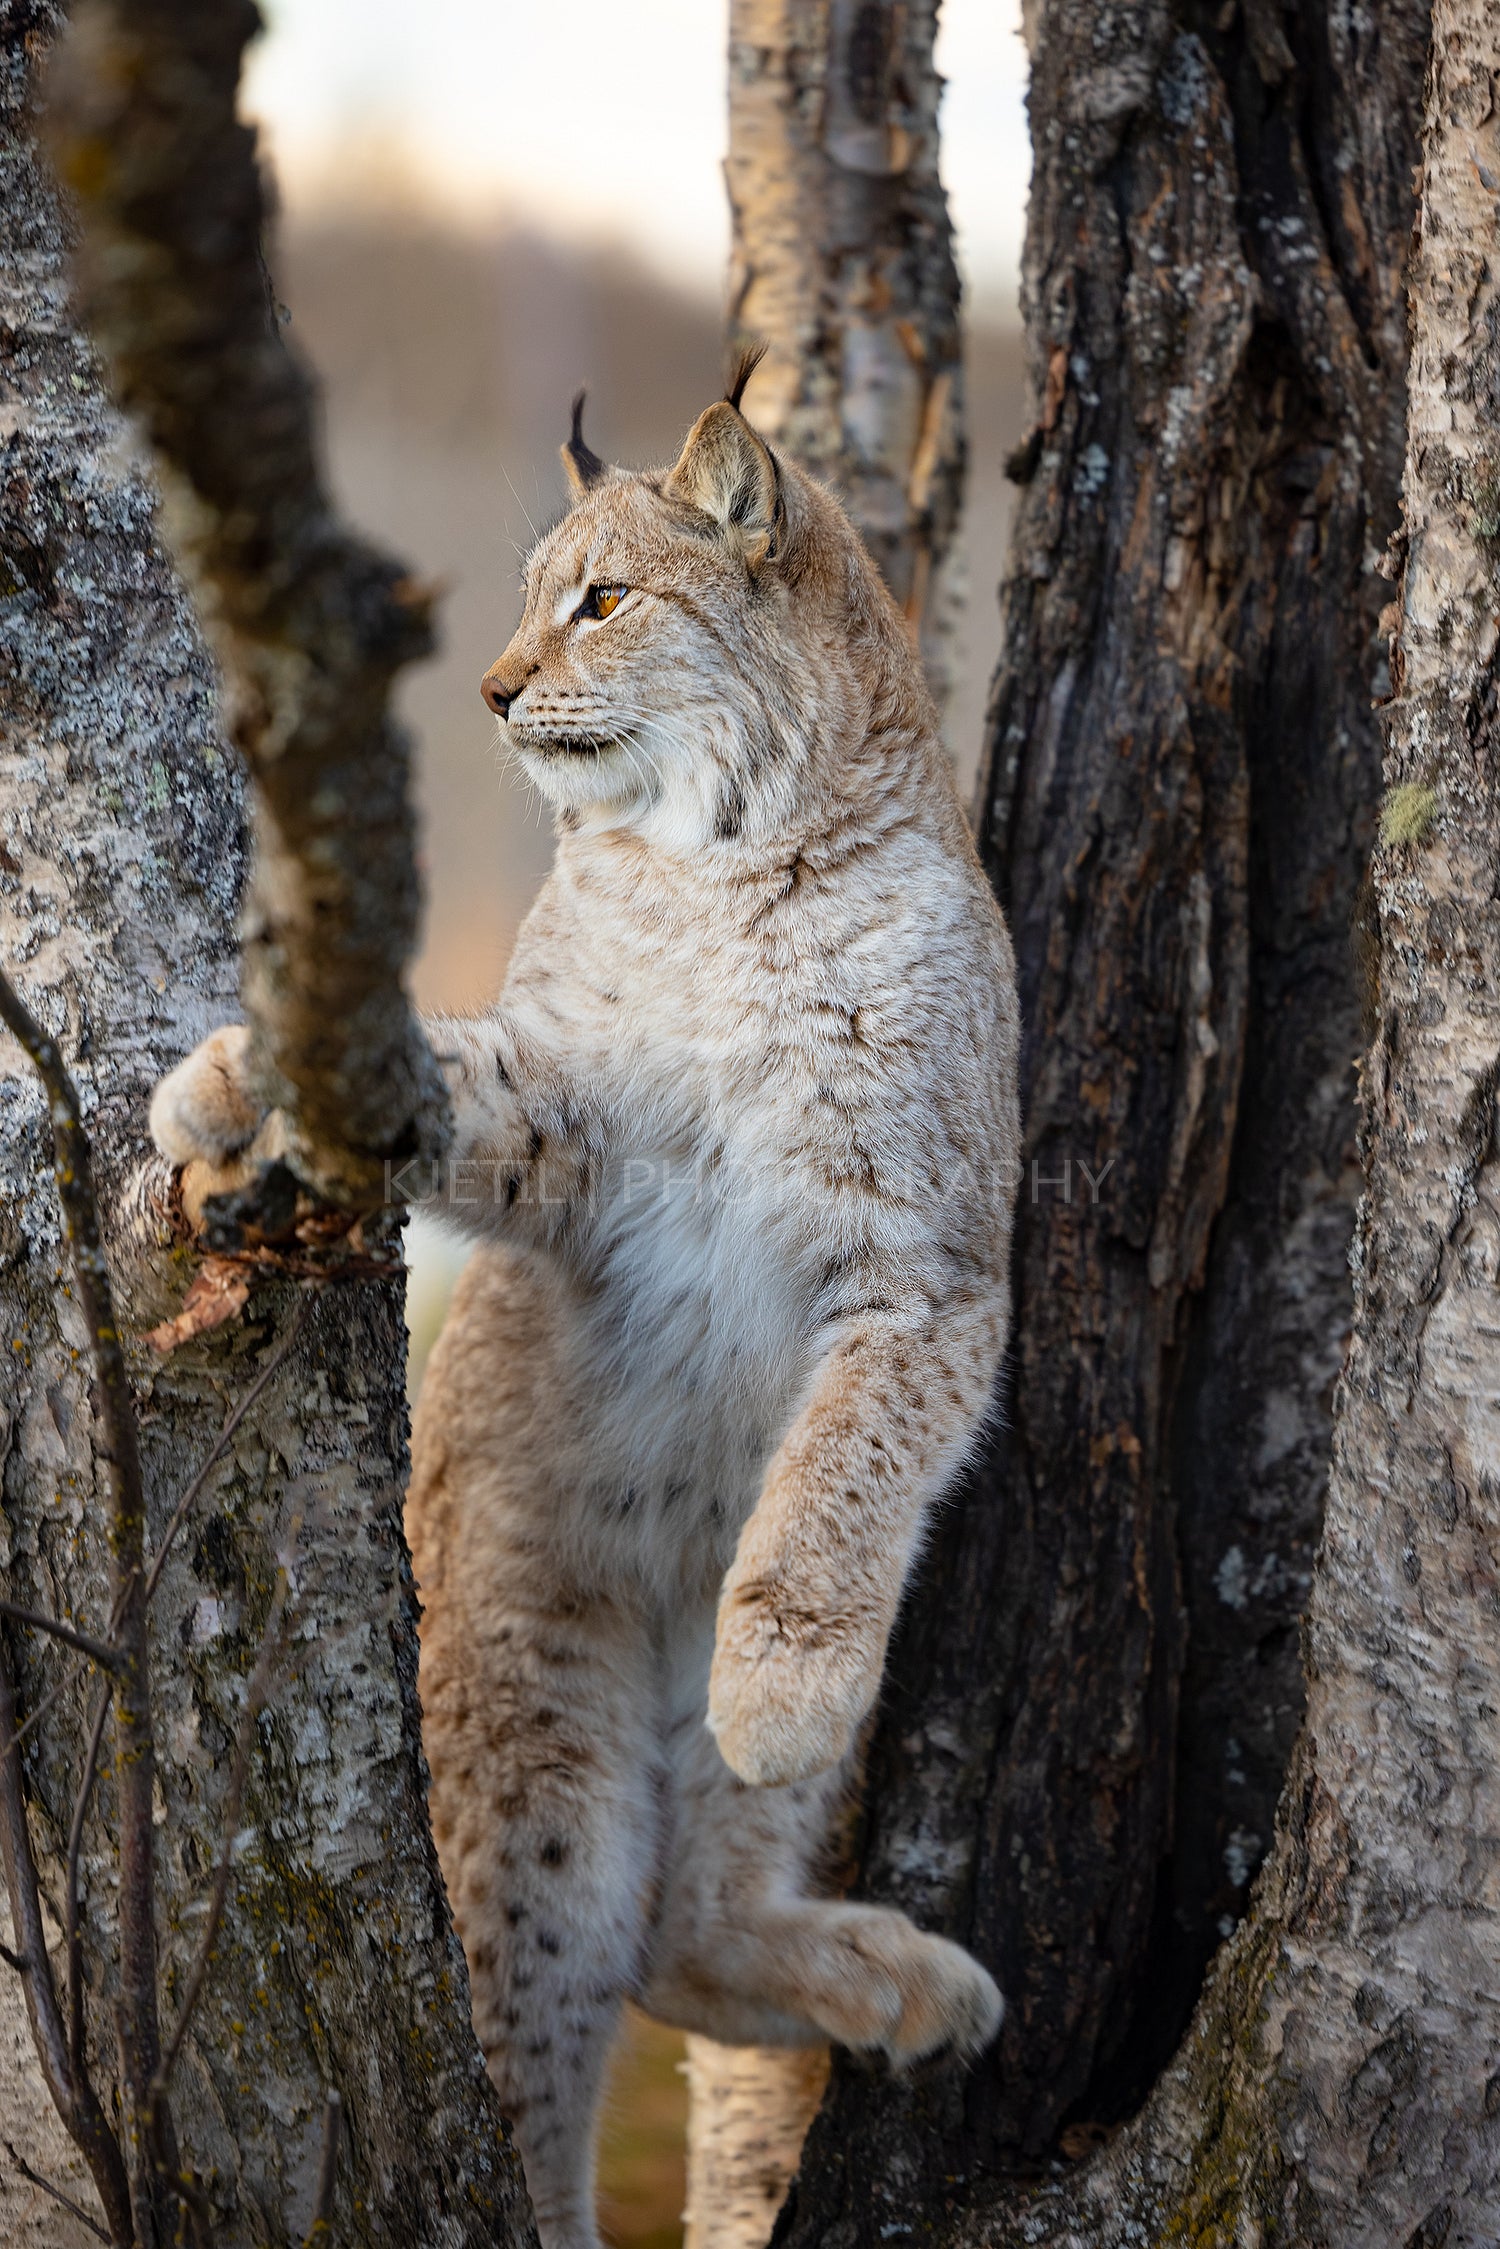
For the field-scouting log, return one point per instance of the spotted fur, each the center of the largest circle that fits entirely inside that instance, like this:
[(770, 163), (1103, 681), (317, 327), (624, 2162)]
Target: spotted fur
[(737, 1142)]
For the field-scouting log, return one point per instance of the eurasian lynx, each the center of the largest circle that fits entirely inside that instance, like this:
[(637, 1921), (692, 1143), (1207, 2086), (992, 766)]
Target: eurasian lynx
[(737, 1142)]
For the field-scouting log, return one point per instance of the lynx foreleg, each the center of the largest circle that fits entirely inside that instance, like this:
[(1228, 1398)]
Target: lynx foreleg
[(519, 1151), (519, 1157), (809, 1600)]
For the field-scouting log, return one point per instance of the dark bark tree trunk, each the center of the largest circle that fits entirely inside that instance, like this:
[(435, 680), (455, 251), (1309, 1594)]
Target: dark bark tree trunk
[(1098, 1686), (121, 856)]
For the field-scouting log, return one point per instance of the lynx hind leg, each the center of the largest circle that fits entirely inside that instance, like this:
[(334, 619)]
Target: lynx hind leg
[(543, 1815), (750, 2108), (746, 1953), (545, 1804)]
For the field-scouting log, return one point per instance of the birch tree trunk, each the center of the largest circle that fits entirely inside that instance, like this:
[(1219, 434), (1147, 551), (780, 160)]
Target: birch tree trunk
[(121, 856), (843, 266)]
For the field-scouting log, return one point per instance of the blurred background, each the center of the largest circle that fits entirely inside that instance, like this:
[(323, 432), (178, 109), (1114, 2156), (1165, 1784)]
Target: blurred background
[(478, 216)]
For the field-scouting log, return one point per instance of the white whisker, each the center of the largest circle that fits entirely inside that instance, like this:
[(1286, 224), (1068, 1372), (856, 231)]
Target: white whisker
[(520, 503)]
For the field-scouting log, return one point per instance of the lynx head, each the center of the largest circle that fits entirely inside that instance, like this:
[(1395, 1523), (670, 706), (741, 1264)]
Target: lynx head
[(694, 638)]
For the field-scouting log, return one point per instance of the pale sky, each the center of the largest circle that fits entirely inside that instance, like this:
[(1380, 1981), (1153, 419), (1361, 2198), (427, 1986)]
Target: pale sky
[(599, 117)]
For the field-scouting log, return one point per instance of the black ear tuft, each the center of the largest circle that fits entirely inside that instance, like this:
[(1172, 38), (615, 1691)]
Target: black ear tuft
[(584, 465), (744, 367)]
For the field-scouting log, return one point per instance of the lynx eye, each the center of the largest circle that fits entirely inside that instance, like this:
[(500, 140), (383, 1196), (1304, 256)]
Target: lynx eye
[(601, 601)]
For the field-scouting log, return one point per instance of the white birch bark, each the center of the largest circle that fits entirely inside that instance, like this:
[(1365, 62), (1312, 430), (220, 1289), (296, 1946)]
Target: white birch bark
[(843, 266), (120, 861)]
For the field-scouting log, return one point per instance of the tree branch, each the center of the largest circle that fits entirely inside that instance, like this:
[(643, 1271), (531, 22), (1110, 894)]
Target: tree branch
[(99, 1651), (71, 1931), (58, 2194), (51, 1699), (72, 2094), (312, 623)]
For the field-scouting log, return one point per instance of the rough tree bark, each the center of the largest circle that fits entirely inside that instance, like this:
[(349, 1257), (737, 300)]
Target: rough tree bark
[(1340, 2083), (843, 266), (121, 852), (1097, 1689)]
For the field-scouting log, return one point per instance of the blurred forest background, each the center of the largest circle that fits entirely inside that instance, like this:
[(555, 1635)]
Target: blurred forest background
[(451, 310)]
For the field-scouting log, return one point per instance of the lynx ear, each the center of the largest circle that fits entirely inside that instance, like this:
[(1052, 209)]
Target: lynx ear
[(730, 476), (582, 463)]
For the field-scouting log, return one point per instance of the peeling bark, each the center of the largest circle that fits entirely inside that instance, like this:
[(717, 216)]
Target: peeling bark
[(843, 265), (121, 850), (1339, 2086)]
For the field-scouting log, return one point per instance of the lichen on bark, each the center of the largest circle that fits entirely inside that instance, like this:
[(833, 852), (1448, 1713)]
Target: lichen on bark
[(310, 621)]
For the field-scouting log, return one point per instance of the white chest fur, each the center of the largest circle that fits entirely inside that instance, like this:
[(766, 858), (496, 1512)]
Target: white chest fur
[(692, 1310)]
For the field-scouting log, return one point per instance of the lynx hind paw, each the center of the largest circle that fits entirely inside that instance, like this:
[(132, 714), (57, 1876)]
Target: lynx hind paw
[(204, 1111)]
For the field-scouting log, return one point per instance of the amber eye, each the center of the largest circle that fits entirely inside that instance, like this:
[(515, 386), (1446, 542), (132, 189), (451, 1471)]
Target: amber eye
[(602, 601)]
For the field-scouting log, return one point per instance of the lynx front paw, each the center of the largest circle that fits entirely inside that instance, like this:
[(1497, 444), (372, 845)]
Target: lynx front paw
[(204, 1111), (787, 1691)]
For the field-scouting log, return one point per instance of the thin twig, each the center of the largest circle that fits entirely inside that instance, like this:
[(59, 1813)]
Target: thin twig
[(73, 2095), (220, 1445), (73, 1172), (118, 1452), (328, 2172), (98, 1651), (70, 1885), (58, 2194), (199, 2210), (188, 2188), (133, 2200), (50, 1700), (256, 1693), (237, 1414), (26, 1906)]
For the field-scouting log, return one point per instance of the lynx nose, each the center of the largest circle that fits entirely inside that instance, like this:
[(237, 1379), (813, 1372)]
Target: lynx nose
[(498, 696)]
